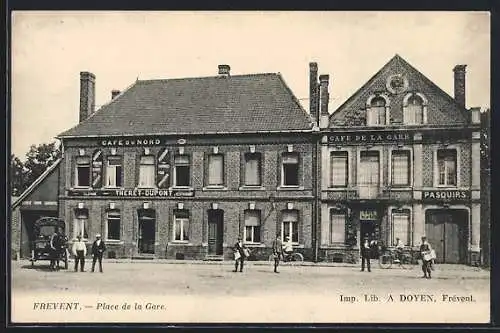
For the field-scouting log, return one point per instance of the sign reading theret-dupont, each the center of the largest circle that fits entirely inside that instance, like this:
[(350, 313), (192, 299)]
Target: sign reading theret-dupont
[(132, 192)]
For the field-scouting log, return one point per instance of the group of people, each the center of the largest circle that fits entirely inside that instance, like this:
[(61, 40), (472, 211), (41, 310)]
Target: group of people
[(280, 251), (58, 244), (371, 248)]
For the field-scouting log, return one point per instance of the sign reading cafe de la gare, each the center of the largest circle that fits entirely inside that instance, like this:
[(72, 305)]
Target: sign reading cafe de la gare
[(367, 137)]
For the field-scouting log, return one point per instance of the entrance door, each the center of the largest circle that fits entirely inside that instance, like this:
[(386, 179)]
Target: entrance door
[(215, 231), (446, 231), (147, 230)]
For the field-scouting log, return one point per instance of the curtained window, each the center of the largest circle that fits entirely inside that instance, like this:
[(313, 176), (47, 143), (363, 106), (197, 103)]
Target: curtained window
[(216, 169), (447, 167), (253, 169), (114, 172), (338, 168), (252, 226), (400, 167), (290, 225), (181, 225), (401, 227), (147, 171)]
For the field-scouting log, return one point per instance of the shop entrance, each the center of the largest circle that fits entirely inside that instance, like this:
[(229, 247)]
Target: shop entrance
[(215, 231), (446, 231), (147, 230), (369, 224)]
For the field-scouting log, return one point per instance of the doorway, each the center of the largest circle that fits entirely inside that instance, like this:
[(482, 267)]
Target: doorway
[(446, 232), (215, 231), (28, 219), (147, 231)]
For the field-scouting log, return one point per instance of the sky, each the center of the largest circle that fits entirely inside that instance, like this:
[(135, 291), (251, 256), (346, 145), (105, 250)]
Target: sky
[(50, 49)]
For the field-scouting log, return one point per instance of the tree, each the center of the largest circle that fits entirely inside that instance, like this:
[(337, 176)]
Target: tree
[(17, 173), (38, 159)]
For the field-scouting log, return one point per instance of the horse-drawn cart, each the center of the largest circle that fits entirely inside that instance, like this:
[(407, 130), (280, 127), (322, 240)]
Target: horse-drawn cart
[(43, 230)]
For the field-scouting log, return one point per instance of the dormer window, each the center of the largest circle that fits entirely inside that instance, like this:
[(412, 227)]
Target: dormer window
[(414, 109), (376, 111)]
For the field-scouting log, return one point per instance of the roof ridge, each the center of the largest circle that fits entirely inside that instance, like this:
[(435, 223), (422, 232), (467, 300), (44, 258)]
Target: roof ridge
[(206, 77), (36, 182)]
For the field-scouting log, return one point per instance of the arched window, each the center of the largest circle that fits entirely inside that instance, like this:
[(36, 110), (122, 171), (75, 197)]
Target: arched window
[(414, 111), (376, 112)]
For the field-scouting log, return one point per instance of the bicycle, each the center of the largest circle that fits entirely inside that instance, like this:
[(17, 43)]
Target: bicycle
[(390, 257), (293, 259)]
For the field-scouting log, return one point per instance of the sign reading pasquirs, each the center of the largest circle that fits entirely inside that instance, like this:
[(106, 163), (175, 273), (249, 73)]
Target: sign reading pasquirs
[(374, 137), (446, 195), (134, 192)]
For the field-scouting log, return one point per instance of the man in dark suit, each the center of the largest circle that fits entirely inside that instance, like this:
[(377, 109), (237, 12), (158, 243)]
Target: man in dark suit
[(277, 252), (98, 248), (365, 254), (239, 255)]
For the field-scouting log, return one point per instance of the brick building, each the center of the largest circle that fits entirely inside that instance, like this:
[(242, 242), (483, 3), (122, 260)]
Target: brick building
[(400, 158), (179, 168)]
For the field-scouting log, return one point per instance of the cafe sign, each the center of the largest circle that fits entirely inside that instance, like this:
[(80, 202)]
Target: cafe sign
[(130, 193), (446, 195), (378, 137), (136, 141), (365, 215)]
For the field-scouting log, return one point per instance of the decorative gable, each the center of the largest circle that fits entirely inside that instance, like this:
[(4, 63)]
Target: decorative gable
[(399, 94)]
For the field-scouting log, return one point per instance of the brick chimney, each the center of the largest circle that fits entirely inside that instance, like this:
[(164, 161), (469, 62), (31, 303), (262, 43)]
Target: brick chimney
[(224, 70), (324, 99), (115, 93), (313, 92), (459, 80), (87, 95)]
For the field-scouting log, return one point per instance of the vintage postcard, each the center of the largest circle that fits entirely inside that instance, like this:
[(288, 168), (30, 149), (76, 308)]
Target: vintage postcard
[(250, 167)]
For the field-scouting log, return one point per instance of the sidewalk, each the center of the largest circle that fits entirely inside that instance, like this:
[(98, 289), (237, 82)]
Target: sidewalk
[(441, 267)]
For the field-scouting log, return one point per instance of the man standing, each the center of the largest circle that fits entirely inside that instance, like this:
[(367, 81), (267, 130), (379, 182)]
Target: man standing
[(277, 252), (98, 248), (239, 255), (79, 251), (425, 252), (55, 248), (365, 254)]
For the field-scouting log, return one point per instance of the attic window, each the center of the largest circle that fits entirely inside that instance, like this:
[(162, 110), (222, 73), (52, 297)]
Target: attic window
[(414, 109), (376, 112)]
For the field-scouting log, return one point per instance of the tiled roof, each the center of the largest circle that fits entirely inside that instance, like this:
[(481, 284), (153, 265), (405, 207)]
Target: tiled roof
[(442, 108), (34, 185), (234, 104)]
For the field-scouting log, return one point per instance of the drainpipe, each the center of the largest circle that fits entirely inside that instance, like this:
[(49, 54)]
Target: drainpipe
[(316, 206)]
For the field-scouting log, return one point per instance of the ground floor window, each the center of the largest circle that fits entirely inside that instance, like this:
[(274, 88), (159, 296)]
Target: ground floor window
[(337, 226), (112, 231), (181, 225), (290, 225), (80, 224), (252, 226), (401, 226)]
